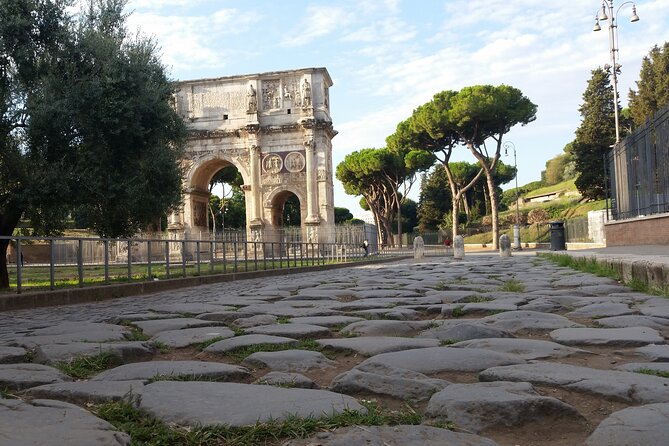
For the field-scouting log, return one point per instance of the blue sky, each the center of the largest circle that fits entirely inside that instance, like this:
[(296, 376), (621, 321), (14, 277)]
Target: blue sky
[(386, 57)]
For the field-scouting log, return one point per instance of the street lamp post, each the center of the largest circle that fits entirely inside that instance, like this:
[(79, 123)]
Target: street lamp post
[(607, 6), (516, 228)]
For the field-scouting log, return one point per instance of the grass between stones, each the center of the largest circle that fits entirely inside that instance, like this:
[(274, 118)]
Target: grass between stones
[(304, 344), (204, 344), (659, 373), (590, 265), (513, 286), (83, 367), (146, 430)]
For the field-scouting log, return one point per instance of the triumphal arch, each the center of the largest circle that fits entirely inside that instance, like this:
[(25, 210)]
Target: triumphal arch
[(275, 128)]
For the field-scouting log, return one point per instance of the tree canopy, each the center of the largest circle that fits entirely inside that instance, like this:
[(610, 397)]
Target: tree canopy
[(87, 122), (652, 92), (594, 136)]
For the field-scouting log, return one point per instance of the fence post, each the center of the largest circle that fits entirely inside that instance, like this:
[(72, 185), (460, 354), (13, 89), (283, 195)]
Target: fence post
[(19, 265), (212, 247), (148, 257), (105, 243), (167, 259), (80, 262), (129, 261), (52, 272)]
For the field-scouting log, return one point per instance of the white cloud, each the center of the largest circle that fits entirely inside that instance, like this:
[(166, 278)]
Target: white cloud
[(319, 21)]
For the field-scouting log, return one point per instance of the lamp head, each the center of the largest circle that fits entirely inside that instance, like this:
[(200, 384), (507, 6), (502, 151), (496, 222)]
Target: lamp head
[(602, 13), (596, 27), (635, 18)]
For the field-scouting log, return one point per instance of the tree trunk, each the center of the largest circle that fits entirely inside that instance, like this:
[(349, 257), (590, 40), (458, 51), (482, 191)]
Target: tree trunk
[(4, 274), (455, 208), (8, 223), (493, 209), (399, 224)]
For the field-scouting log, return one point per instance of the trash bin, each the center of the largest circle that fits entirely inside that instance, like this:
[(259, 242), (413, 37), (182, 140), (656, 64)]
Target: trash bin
[(557, 236)]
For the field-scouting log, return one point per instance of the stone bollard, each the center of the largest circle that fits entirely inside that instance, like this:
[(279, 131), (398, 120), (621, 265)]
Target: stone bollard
[(504, 246), (418, 248), (458, 247)]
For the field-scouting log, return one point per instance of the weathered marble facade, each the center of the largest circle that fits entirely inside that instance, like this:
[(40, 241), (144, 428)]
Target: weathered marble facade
[(276, 129)]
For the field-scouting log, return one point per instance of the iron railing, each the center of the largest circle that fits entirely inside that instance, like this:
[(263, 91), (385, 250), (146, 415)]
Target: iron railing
[(638, 169), (48, 263)]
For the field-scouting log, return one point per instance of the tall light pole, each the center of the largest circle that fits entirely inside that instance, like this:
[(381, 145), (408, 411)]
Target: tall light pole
[(516, 228), (607, 6)]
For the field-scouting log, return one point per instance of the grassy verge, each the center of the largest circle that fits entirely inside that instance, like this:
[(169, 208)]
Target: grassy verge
[(590, 265), (146, 430), (659, 373)]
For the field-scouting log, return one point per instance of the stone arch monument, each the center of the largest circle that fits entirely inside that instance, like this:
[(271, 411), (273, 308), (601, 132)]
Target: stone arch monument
[(275, 128)]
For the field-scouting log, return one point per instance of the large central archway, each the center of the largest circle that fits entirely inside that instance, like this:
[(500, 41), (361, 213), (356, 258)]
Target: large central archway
[(275, 128)]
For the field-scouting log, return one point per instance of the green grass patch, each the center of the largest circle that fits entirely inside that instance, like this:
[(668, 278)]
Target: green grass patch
[(476, 299), (161, 346), (440, 286), (204, 344), (458, 311), (83, 367), (283, 320), (513, 286), (446, 342), (659, 373), (146, 430), (563, 186), (592, 266), (136, 334)]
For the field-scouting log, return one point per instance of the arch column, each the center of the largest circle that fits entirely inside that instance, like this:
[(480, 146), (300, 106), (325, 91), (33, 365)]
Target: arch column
[(313, 217), (256, 223)]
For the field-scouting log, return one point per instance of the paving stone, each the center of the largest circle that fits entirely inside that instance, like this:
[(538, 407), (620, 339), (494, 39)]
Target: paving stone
[(325, 321), (373, 345), (24, 376), (528, 321), (121, 319), (288, 361), (604, 289), (481, 406), (75, 332), (581, 280), (380, 379), (444, 359), (400, 314), (465, 331), (600, 310), (153, 327), (526, 348), (12, 355), (487, 307), (623, 337), (655, 310), (227, 316), (652, 352), (47, 422), (644, 425), (144, 371), (629, 387), (207, 403), (657, 323), (291, 311), (637, 366), (254, 321), (385, 328), (189, 336), (190, 308), (121, 351), (392, 436), (83, 392), (283, 379), (297, 331), (238, 342)]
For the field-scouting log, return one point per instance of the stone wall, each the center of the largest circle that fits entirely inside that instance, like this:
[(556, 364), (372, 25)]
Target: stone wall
[(651, 230)]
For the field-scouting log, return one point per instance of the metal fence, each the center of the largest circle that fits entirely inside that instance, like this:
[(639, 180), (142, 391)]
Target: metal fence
[(48, 263), (638, 168)]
